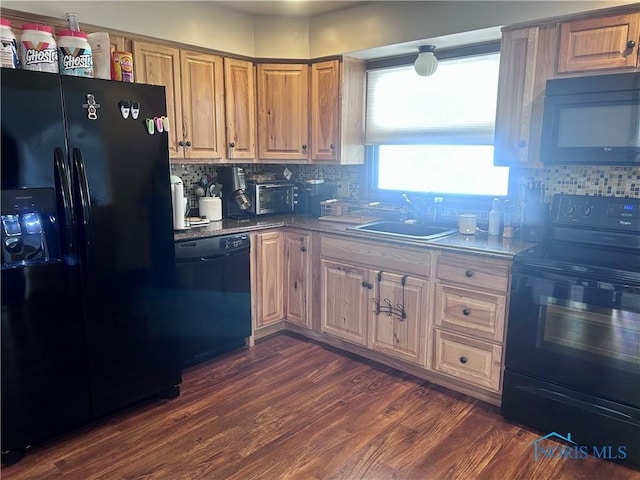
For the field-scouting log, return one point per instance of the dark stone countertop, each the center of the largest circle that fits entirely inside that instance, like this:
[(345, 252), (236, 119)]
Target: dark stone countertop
[(481, 243)]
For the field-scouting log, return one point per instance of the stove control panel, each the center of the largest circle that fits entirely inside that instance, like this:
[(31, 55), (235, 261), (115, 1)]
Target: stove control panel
[(596, 212)]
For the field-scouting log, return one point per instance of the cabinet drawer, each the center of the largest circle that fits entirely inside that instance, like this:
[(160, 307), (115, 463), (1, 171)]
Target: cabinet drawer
[(468, 311), (467, 359), (476, 272), (390, 257)]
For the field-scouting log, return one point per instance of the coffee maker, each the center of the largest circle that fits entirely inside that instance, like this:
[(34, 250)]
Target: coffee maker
[(311, 194), (235, 201)]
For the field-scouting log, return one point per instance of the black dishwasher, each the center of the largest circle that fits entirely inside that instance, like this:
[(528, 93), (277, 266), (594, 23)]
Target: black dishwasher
[(214, 291)]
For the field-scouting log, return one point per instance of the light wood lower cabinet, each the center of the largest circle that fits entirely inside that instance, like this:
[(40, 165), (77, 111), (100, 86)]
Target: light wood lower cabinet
[(344, 301), (268, 278), (297, 277), (434, 313), (364, 301), (468, 359), (469, 320), (399, 326)]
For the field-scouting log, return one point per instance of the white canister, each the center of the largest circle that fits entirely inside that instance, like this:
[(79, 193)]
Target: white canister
[(467, 223), (9, 53), (74, 54), (210, 208), (38, 49)]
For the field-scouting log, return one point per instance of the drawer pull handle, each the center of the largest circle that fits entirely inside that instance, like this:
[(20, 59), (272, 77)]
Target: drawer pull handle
[(466, 311), (367, 285), (469, 273), (463, 359)]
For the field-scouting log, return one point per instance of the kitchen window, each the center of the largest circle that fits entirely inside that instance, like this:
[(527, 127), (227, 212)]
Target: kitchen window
[(434, 135)]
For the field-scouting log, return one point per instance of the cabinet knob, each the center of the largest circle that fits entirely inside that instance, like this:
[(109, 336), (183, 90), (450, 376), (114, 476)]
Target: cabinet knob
[(522, 144), (188, 143), (232, 145), (181, 143), (463, 359), (332, 146), (303, 249), (631, 43), (304, 147), (469, 273), (466, 311)]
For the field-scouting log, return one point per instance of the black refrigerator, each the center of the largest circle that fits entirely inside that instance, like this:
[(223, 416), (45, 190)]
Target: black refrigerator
[(88, 262)]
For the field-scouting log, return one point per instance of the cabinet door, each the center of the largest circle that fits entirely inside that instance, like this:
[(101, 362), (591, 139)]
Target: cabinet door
[(269, 278), (325, 111), (203, 105), (515, 96), (297, 278), (283, 109), (599, 43), (344, 301), (160, 65), (240, 103), (403, 338)]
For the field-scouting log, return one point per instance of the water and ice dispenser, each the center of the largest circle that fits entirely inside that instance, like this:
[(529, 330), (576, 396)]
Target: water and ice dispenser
[(29, 227)]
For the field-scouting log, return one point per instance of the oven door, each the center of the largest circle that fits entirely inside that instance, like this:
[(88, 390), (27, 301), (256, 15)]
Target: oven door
[(582, 333)]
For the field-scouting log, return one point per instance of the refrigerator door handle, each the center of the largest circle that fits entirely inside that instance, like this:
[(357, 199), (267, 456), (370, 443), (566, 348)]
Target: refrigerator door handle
[(80, 176), (63, 185)]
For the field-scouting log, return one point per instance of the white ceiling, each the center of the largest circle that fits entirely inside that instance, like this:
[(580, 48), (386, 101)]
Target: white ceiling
[(291, 8)]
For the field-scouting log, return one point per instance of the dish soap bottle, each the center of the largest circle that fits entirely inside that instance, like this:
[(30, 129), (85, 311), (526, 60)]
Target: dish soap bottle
[(494, 217)]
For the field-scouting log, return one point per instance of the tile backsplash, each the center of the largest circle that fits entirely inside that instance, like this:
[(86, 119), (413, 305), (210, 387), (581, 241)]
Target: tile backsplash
[(599, 180)]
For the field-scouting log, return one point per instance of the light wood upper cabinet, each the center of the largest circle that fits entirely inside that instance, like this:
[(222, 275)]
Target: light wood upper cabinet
[(337, 108), (325, 113), (160, 65), (202, 105), (518, 56), (240, 108), (297, 278), (283, 112), (194, 85), (268, 275), (604, 42)]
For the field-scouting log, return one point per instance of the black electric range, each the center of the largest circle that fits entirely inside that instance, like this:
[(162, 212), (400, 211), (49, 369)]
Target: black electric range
[(572, 360)]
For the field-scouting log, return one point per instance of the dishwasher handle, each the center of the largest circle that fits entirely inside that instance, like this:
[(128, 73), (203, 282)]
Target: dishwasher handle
[(211, 258)]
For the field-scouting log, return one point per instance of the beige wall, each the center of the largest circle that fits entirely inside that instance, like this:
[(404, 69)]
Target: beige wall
[(355, 28), (386, 23)]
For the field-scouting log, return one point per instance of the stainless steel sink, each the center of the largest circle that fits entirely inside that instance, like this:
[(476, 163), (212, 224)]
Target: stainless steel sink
[(404, 230)]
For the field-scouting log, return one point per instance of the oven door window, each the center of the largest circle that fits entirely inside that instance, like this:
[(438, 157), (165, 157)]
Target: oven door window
[(584, 334), (597, 334)]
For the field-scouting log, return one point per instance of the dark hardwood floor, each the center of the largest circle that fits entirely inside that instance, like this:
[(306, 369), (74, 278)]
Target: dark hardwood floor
[(292, 409)]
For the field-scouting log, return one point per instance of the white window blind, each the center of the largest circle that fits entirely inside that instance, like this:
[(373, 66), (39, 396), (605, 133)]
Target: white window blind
[(455, 106)]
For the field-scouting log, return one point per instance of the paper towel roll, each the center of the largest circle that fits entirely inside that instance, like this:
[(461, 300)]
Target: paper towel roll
[(177, 198), (210, 208)]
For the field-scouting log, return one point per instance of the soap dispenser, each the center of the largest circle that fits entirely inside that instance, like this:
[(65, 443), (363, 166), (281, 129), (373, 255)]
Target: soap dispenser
[(494, 217)]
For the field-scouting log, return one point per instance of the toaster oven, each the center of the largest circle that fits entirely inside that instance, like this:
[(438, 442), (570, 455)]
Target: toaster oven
[(271, 197)]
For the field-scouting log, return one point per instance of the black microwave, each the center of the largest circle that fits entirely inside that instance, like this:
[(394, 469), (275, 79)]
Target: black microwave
[(592, 120)]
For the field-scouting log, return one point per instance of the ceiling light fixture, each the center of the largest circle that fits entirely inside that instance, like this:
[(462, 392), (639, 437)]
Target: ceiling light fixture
[(426, 64)]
